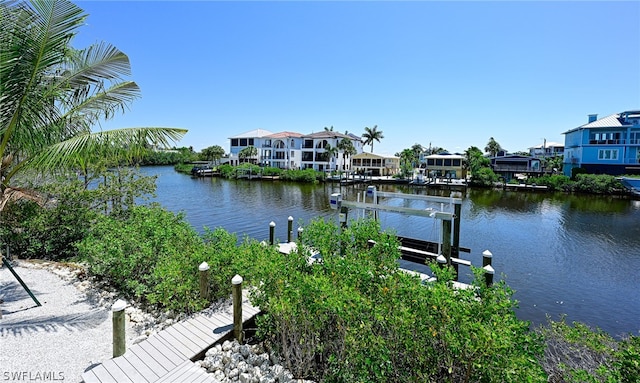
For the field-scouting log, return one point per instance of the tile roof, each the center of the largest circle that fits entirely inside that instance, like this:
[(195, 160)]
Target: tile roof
[(285, 135)]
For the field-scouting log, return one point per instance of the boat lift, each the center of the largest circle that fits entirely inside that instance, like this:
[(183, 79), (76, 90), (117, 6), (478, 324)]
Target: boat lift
[(450, 220)]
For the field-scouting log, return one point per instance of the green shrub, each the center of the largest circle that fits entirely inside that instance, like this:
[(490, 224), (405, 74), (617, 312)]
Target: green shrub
[(555, 182), (597, 183), (355, 317), (151, 255), (50, 231), (577, 353)]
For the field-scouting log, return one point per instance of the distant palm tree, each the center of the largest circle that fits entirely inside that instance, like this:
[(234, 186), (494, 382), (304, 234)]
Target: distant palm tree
[(372, 134), (346, 147), (493, 147), (213, 153), (328, 129), (248, 152), (330, 152)]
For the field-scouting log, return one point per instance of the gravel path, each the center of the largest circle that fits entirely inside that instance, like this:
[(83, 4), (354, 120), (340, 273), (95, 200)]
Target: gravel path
[(59, 340)]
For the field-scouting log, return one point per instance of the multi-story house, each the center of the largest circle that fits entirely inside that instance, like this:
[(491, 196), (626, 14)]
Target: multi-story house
[(508, 166), (317, 153), (444, 165), (282, 150), (609, 145), (547, 150), (238, 143), (375, 164)]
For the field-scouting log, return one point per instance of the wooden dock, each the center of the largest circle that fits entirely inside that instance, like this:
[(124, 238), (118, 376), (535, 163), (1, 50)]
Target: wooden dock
[(169, 355)]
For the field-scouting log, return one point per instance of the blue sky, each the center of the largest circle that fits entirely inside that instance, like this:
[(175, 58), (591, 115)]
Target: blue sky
[(449, 74)]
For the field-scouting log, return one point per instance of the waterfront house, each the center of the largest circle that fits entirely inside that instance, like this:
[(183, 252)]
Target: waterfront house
[(375, 164), (282, 150), (244, 140), (316, 156), (609, 145), (547, 150), (444, 165), (508, 166)]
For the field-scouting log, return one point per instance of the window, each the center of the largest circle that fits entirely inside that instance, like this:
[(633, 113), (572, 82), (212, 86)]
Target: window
[(234, 142), (293, 154), (243, 142), (251, 141), (608, 154)]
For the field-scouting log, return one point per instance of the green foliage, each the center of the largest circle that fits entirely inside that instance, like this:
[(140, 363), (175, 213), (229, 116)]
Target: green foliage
[(270, 171), (49, 229), (576, 353), (576, 171), (126, 253), (483, 177), (555, 182), (354, 316), (168, 157), (597, 183), (306, 175), (32, 231)]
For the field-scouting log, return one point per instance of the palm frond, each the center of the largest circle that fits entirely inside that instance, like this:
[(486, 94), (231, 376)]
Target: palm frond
[(112, 145)]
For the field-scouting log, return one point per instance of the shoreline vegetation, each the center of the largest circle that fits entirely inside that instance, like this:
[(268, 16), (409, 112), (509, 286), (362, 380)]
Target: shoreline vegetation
[(602, 184)]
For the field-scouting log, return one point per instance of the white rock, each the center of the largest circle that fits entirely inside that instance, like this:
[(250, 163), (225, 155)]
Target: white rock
[(226, 346)]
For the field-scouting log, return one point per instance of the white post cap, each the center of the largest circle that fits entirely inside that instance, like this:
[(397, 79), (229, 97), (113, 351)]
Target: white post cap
[(236, 280), (487, 254), (489, 270), (204, 266), (272, 224), (119, 305), (441, 259), (290, 218)]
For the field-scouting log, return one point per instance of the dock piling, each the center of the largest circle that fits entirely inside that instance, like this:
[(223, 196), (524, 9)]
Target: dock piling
[(119, 338), (272, 232), (203, 270), (488, 269), (290, 229), (236, 284)]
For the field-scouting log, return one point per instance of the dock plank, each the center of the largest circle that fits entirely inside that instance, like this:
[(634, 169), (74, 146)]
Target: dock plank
[(158, 356), (172, 332), (170, 341), (115, 371), (148, 360), (219, 320), (141, 367), (130, 370), (191, 335), (102, 375), (202, 330), (206, 323), (186, 372), (167, 350)]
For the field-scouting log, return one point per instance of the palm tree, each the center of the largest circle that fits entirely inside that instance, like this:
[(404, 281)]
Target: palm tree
[(328, 129), (417, 150), (213, 153), (330, 152), (346, 147), (51, 95), (248, 152), (372, 134), (493, 147)]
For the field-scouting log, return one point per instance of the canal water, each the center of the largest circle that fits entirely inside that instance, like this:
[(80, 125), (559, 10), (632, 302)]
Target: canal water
[(577, 256)]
